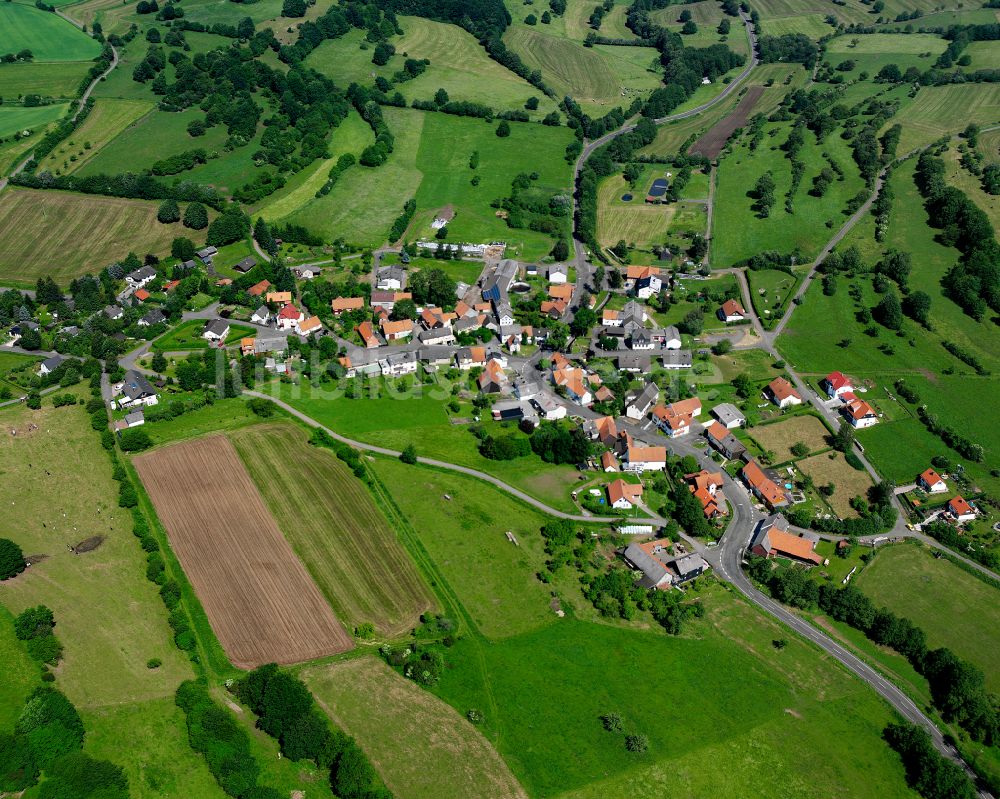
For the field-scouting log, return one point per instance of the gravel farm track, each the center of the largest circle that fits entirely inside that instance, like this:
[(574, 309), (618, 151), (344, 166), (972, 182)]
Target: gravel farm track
[(262, 604)]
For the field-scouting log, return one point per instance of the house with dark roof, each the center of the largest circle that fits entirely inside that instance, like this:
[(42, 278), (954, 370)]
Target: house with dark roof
[(498, 283), (207, 254), (134, 390), (390, 278), (154, 317), (49, 365), (638, 404), (140, 277), (651, 558), (635, 362), (215, 330), (677, 359), (261, 316), (113, 312), (724, 441), (245, 265)]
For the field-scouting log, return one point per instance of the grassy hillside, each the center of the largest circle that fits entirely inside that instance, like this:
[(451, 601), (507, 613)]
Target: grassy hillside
[(106, 121), (48, 36)]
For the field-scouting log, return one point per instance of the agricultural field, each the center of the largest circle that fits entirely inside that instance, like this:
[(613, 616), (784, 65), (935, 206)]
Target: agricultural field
[(739, 232), (105, 122), (17, 118), (328, 517), (812, 25), (44, 79), (263, 605), (63, 235), (421, 747), (972, 185), (633, 221), (848, 481), (48, 36), (780, 437), (954, 608), (873, 51), (784, 11), (430, 162), (70, 498), (983, 55), (706, 14), (931, 114)]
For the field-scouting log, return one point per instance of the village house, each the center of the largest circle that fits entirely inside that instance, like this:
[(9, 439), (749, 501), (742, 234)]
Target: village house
[(307, 272), (368, 335), (724, 441), (557, 273), (261, 316), (859, 414), (247, 345), (497, 285), (772, 539), (140, 277), (642, 459), (574, 380), (646, 287), (675, 419), (731, 311), (634, 362), (512, 411), (640, 339), (782, 393), (609, 463), (133, 419), (554, 309), (437, 336), (388, 299), (604, 430), (469, 357), (729, 415), (258, 289), (622, 495), (707, 489), (763, 487), (610, 318), (435, 356), (215, 330), (835, 384), (390, 278), (206, 255), (265, 344), (396, 331), (504, 313), (960, 509), (562, 292), (134, 390), (289, 318), (309, 325), (651, 558), (677, 359), (492, 380), (931, 482), (635, 273), (399, 364), (154, 317), (638, 404), (548, 409), (278, 297), (113, 312), (49, 365), (244, 265), (669, 338)]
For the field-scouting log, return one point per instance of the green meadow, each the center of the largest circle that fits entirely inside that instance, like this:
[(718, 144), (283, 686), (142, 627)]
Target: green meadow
[(17, 118), (61, 79), (48, 36)]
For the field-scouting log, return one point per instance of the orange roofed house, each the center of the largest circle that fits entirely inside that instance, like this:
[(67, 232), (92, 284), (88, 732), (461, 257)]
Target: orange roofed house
[(622, 495), (731, 311), (772, 539), (931, 482), (707, 489), (782, 393), (341, 305), (675, 419), (763, 487), (960, 510)]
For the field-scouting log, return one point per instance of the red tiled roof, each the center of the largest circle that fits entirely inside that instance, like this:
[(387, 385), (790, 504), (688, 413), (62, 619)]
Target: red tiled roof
[(341, 304), (142, 295), (781, 389), (619, 489), (259, 288), (717, 431), (929, 477), (837, 380), (958, 506), (289, 312), (733, 308), (783, 543), (771, 493)]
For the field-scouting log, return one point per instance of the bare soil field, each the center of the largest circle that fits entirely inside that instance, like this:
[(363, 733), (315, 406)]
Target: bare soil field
[(263, 605), (712, 142), (781, 436), (421, 747)]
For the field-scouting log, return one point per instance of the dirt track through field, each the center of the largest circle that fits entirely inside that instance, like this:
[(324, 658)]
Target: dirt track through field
[(263, 605), (711, 144)]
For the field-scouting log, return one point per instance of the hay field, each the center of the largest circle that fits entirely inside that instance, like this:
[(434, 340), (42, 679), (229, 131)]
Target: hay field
[(421, 747), (16, 118), (932, 113), (65, 235), (634, 222), (48, 36), (262, 604), (107, 119), (780, 437), (848, 481), (47, 80), (328, 517)]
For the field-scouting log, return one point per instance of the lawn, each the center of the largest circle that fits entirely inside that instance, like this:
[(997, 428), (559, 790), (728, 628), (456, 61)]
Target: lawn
[(62, 235), (852, 11), (739, 232), (706, 14), (418, 416), (848, 482), (48, 36), (17, 118), (461, 523), (109, 618), (106, 121), (329, 518), (187, 336), (780, 437), (771, 290), (421, 747), (461, 271), (952, 607), (226, 414), (961, 178), (48, 80), (430, 162), (931, 114), (9, 361), (779, 710)]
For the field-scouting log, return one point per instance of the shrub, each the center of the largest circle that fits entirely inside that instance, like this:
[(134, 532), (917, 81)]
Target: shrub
[(636, 743), (11, 559)]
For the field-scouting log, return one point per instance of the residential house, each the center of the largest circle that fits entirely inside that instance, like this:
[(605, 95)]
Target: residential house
[(641, 339), (264, 344), (278, 367), (278, 297), (154, 317), (170, 285), (646, 287), (437, 336), (724, 441), (245, 265), (652, 559), (398, 364), (675, 419), (835, 384), (574, 380), (782, 393), (633, 274), (435, 356), (309, 325), (307, 272), (729, 415), (731, 311), (504, 313), (368, 335), (509, 410), (558, 273), (635, 362), (639, 404), (931, 482), (669, 338), (141, 276), (604, 429), (492, 380), (390, 278), (135, 390), (113, 312), (622, 495), (141, 295), (688, 567), (609, 463), (772, 539), (469, 357), (641, 459), (859, 414), (548, 408), (396, 331), (289, 317), (498, 283), (247, 345), (562, 292), (526, 389), (388, 299), (960, 509), (207, 254), (677, 359), (763, 487), (707, 489), (215, 330), (361, 362), (611, 318), (261, 316), (258, 289), (49, 365), (554, 309)]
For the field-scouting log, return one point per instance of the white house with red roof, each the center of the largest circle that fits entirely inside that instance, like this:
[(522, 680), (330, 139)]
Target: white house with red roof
[(835, 384), (960, 510), (782, 393), (731, 311), (624, 496), (289, 317), (931, 482), (859, 413)]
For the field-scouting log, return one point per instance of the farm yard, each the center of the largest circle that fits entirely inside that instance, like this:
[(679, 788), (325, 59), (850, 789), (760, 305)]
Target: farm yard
[(62, 235), (954, 608), (263, 605), (328, 517), (849, 482), (780, 437), (422, 747)]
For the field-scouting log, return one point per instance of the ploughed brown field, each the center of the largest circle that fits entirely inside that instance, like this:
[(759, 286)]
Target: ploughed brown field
[(715, 138), (262, 604)]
